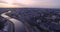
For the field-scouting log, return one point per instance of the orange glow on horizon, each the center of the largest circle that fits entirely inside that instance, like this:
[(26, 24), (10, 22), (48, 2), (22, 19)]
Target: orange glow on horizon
[(2, 5)]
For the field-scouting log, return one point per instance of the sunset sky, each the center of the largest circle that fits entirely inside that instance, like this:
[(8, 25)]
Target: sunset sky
[(30, 3)]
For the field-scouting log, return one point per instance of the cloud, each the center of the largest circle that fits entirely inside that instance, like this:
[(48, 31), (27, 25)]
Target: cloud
[(46, 3), (3, 5), (36, 3)]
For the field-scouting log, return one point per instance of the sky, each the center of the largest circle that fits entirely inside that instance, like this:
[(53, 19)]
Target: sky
[(30, 3)]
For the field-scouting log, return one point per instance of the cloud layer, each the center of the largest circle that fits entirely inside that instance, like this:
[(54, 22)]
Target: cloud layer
[(35, 3)]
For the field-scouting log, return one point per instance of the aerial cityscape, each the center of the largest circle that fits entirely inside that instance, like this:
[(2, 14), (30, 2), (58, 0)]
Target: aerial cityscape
[(29, 16)]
